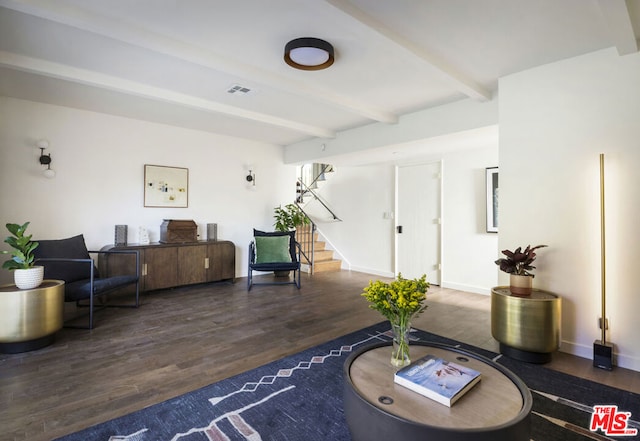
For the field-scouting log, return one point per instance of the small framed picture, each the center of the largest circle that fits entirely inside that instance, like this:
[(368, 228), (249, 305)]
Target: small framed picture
[(166, 186), (492, 199)]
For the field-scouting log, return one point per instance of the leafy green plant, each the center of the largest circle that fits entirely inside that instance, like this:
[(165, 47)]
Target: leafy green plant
[(289, 217), (518, 261), (23, 246)]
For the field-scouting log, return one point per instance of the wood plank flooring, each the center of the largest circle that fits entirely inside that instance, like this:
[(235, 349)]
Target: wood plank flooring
[(182, 339)]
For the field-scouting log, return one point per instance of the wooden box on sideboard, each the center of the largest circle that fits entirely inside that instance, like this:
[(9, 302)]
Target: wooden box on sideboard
[(178, 231)]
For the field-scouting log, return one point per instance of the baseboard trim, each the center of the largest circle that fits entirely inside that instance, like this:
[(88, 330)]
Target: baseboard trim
[(373, 272), (467, 288), (586, 351)]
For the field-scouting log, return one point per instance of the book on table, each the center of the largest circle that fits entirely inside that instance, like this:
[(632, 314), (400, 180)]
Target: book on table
[(438, 379)]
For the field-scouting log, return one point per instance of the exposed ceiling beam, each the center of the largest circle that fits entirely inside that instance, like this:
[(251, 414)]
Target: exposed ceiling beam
[(618, 19), (158, 43), (448, 74), (108, 82)]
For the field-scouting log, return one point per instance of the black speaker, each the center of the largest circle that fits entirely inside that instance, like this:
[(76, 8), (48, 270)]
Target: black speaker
[(602, 355), (120, 235)]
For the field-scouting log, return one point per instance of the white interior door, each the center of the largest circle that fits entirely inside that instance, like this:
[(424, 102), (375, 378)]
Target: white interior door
[(418, 218)]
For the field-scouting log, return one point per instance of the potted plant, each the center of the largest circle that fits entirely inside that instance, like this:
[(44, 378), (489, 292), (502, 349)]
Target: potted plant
[(26, 274), (289, 217), (518, 265)]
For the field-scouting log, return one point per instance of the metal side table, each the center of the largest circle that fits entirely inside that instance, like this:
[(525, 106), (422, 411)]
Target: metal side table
[(30, 318), (527, 327)]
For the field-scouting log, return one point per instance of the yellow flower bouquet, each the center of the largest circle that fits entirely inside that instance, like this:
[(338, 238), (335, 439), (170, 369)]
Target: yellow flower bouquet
[(398, 301)]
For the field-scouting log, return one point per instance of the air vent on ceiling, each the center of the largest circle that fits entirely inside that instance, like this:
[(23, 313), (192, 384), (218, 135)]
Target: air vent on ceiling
[(239, 90)]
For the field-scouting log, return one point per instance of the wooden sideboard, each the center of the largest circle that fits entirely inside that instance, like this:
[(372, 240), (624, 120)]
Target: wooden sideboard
[(167, 265)]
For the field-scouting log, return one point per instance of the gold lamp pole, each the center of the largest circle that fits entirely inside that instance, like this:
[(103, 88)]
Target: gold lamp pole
[(603, 259), (603, 351)]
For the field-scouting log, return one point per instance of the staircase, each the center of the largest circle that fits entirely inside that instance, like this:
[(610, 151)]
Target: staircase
[(315, 254)]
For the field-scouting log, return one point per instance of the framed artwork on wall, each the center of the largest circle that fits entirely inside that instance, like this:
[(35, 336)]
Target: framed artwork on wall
[(166, 186), (491, 178)]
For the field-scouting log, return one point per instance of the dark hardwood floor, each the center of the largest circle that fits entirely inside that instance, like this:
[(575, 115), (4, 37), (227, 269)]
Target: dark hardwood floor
[(182, 339)]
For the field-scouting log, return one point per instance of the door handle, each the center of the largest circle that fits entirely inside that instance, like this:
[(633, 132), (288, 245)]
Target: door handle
[(399, 229)]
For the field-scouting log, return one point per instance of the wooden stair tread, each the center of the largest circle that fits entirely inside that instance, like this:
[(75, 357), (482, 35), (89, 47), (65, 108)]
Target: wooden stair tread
[(327, 265), (322, 255), (323, 258), (318, 246)]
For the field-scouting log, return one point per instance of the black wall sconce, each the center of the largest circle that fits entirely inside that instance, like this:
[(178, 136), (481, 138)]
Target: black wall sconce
[(251, 178), (45, 159)]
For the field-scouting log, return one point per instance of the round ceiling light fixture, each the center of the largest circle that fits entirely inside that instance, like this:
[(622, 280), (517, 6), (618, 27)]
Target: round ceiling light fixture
[(308, 53)]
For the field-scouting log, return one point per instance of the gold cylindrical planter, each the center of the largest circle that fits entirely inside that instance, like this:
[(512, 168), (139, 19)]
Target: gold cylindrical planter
[(520, 285), (527, 327), (29, 318)]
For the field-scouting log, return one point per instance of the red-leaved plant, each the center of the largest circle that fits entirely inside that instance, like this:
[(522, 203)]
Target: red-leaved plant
[(518, 261)]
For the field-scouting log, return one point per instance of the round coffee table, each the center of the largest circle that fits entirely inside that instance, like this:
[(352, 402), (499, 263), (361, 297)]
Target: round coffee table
[(376, 408)]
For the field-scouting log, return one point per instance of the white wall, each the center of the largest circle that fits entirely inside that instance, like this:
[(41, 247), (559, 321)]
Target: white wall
[(468, 251), (555, 120), (361, 195), (99, 160)]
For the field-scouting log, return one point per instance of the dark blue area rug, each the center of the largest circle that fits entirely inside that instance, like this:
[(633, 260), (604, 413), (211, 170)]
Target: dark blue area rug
[(299, 398)]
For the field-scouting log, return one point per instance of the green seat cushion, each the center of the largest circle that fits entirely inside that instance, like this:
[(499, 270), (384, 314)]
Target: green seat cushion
[(270, 249)]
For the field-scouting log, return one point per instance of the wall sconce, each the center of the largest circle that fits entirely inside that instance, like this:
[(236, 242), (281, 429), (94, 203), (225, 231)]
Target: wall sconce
[(251, 178), (45, 159)]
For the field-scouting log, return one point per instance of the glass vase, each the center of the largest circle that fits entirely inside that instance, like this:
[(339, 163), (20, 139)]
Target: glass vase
[(400, 352)]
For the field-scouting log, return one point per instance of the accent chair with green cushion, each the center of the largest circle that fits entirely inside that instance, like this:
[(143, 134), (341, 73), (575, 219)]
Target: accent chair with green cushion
[(69, 260), (274, 251)]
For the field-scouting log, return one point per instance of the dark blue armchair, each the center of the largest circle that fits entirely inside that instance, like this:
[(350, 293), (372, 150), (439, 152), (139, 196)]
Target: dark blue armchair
[(274, 251), (69, 260)]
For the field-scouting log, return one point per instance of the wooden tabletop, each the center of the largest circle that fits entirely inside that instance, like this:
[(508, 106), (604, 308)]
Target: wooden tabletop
[(495, 400)]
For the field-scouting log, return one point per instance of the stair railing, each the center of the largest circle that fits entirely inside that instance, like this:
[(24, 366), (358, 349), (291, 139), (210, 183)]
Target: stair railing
[(302, 190), (319, 169), (305, 237)]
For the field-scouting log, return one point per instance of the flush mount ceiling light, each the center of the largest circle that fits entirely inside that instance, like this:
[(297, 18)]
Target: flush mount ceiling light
[(308, 54)]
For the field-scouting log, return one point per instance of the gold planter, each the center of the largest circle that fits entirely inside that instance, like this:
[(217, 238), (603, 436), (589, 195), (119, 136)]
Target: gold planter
[(520, 285), (527, 328), (29, 318)]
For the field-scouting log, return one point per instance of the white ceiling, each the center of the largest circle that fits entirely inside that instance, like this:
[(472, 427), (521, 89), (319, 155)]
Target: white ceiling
[(173, 61)]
